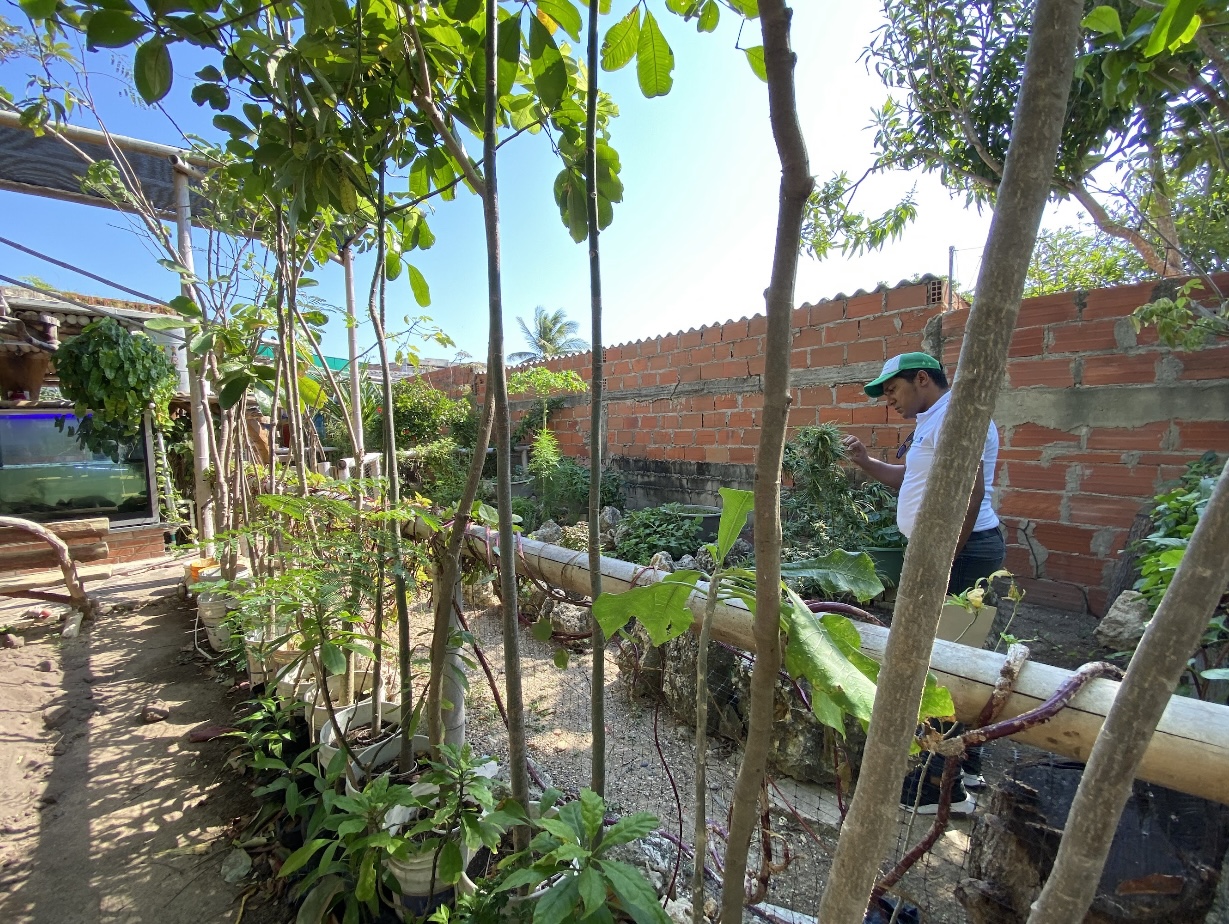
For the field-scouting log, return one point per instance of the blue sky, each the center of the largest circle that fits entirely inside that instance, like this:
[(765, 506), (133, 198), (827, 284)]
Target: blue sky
[(691, 243)]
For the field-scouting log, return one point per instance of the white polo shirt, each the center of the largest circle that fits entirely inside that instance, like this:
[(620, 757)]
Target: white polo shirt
[(921, 457)]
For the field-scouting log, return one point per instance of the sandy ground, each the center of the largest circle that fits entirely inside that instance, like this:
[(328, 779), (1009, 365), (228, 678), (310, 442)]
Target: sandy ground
[(107, 819)]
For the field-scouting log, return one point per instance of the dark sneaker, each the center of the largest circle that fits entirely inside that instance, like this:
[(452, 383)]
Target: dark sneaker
[(927, 803), (973, 780), (970, 768)]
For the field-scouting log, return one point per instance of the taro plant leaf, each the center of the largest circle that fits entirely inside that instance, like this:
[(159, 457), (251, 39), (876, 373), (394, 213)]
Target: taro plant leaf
[(815, 652), (619, 46), (838, 572), (635, 894), (319, 900), (661, 607), (735, 508), (654, 59)]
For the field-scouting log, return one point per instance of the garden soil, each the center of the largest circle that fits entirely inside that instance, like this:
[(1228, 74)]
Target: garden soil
[(107, 818)]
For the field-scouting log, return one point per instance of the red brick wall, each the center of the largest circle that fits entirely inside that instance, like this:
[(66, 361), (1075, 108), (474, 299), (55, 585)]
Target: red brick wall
[(1067, 487), (136, 543)]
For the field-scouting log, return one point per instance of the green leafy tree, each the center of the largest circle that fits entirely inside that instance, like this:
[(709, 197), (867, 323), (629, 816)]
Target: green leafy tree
[(1077, 258), (549, 334), (1146, 99)]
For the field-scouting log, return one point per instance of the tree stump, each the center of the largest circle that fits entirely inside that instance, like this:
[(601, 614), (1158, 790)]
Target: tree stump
[(1163, 868)]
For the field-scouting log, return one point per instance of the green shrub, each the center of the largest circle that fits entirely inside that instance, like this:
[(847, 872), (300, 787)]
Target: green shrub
[(112, 376), (1175, 514), (644, 533), (528, 510), (421, 413)]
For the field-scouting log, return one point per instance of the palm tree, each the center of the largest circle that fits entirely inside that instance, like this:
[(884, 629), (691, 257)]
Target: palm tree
[(552, 334)]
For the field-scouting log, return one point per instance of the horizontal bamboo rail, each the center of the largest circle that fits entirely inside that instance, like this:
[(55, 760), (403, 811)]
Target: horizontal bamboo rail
[(1189, 751)]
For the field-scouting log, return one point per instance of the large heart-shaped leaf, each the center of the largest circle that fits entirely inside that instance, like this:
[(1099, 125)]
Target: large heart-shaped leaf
[(838, 572), (661, 607)]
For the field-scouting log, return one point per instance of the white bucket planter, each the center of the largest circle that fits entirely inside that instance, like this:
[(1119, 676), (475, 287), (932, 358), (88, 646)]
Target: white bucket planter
[(218, 636), (383, 757), (297, 685), (317, 713), (357, 716), (265, 666), (413, 874), (212, 609)]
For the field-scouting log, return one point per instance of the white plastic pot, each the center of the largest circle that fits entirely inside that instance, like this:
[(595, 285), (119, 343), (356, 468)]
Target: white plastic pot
[(266, 666), (384, 757), (413, 874), (218, 636), (212, 608), (354, 717), (317, 713), (296, 685)]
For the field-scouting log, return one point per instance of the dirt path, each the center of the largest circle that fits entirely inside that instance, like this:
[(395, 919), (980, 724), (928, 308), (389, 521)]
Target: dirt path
[(108, 819)]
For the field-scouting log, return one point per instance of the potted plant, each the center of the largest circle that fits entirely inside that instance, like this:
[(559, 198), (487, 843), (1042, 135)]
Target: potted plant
[(570, 869), (881, 539), (453, 813)]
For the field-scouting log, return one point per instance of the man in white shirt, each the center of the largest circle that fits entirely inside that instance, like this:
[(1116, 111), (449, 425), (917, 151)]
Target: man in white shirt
[(915, 386)]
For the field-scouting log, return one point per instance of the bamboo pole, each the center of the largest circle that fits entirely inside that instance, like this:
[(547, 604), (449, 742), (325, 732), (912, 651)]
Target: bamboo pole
[(1189, 752)]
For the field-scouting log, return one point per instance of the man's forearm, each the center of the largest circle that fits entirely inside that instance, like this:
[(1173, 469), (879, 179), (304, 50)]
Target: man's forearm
[(891, 475)]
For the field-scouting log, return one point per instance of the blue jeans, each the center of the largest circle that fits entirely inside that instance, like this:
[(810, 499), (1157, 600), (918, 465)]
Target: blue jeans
[(981, 556)]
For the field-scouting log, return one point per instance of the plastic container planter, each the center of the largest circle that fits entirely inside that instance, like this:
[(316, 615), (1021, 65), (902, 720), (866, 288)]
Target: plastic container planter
[(357, 716), (212, 608), (317, 713), (888, 564), (709, 517)]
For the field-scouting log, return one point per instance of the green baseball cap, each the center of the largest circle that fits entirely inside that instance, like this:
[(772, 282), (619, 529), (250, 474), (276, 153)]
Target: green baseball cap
[(897, 364)]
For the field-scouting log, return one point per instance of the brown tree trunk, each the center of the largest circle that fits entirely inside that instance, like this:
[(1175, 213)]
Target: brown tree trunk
[(796, 185), (498, 385), (1154, 671), (448, 566), (597, 717), (1029, 169)]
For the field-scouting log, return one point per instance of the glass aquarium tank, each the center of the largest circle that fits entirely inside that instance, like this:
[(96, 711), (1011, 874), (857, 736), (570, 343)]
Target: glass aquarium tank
[(46, 474)]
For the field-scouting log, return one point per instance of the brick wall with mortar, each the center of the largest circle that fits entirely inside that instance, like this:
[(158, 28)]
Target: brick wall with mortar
[(1093, 418)]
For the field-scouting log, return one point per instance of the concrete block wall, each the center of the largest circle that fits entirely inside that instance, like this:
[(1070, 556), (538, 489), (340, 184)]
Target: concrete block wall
[(1093, 418)]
